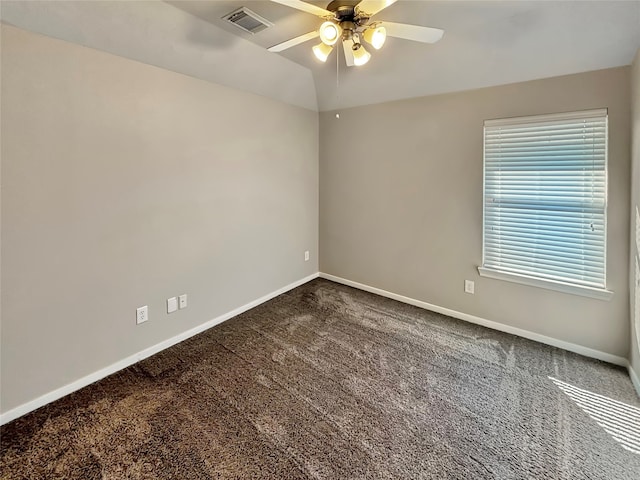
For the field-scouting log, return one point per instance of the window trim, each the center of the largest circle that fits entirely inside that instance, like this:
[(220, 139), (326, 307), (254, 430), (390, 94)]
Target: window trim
[(524, 279), (563, 287)]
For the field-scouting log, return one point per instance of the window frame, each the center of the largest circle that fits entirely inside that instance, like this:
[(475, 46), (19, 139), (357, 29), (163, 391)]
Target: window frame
[(524, 278)]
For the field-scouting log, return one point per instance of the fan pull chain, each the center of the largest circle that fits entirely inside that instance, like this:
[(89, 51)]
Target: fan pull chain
[(337, 79)]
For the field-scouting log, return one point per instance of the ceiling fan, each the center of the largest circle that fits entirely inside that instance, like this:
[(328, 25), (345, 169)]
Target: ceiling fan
[(349, 21)]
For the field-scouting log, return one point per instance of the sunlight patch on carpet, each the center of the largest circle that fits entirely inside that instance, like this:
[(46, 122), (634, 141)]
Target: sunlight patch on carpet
[(618, 419)]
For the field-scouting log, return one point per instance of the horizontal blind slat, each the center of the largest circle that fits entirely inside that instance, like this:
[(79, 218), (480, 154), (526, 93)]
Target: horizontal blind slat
[(595, 129), (549, 235), (531, 166), (545, 263), (575, 193), (568, 249), (568, 141), (542, 241), (496, 221), (548, 126), (543, 217), (541, 206), (585, 268), (544, 176), (528, 250)]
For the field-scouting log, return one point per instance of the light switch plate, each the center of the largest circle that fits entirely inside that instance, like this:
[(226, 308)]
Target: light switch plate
[(469, 287), (172, 304)]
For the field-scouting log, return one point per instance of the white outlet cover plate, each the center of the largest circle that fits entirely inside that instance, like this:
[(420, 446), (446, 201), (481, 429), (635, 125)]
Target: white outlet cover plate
[(172, 304), (182, 301), (142, 314)]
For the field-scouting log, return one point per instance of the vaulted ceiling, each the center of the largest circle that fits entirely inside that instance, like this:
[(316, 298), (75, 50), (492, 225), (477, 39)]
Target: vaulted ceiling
[(485, 43)]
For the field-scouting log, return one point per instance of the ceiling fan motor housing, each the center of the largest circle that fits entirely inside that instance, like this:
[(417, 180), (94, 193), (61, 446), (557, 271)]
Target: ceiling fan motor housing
[(345, 12)]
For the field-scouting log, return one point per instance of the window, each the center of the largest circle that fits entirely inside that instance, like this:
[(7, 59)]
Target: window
[(545, 199)]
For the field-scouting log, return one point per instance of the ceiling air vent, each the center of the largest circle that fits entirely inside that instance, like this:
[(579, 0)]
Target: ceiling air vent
[(247, 20)]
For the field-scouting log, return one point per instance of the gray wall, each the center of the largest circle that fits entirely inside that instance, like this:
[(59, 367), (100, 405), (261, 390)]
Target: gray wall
[(124, 184), (635, 206), (401, 204)]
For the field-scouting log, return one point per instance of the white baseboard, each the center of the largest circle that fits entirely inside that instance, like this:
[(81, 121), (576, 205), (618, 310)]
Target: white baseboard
[(634, 378), (126, 362), (572, 347), (147, 352)]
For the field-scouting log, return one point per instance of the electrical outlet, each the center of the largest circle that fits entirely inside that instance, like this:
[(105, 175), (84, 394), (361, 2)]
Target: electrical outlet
[(142, 314), (172, 304), (469, 287), (182, 301), (306, 256)]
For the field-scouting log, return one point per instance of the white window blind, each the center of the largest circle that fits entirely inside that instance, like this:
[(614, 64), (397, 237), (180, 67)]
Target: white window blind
[(545, 187)]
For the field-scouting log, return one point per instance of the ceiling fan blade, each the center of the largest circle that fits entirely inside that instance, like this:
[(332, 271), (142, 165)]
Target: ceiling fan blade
[(294, 41), (371, 7), (413, 32), (305, 7), (348, 52)]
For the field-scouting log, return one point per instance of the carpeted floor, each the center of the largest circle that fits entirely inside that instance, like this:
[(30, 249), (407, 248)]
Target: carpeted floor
[(329, 382)]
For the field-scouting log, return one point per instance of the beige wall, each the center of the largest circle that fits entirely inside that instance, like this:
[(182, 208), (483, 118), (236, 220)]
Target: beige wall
[(635, 206), (124, 184), (401, 204)]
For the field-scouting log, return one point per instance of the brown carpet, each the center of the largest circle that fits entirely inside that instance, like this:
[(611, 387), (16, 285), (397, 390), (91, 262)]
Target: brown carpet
[(329, 382)]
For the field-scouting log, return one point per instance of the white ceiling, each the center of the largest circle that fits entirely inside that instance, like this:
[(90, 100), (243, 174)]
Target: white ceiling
[(485, 43), (159, 34)]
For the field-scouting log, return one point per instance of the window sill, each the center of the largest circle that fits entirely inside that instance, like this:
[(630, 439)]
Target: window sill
[(598, 293)]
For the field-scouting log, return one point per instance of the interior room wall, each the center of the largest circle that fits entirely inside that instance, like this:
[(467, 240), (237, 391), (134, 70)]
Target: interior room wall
[(634, 280), (401, 204), (123, 185)]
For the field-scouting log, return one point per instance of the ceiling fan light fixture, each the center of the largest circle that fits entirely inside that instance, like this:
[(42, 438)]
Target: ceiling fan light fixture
[(349, 22), (330, 33), (376, 36), (322, 51), (360, 55)]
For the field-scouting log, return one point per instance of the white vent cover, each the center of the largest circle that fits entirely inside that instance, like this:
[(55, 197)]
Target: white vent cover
[(247, 20)]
